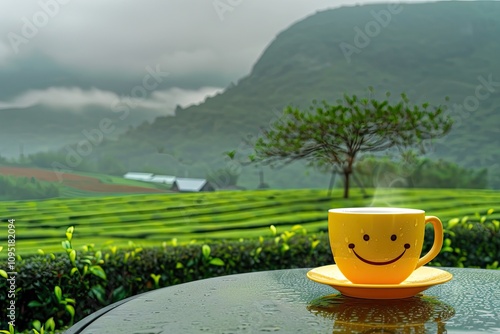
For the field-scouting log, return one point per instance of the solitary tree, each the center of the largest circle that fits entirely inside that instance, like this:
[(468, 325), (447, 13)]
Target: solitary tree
[(333, 136)]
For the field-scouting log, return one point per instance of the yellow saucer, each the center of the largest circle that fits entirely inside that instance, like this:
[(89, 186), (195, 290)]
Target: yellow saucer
[(420, 280)]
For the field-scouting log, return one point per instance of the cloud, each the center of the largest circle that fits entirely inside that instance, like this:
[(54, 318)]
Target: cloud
[(75, 98), (60, 97), (183, 97), (182, 36), (165, 101), (108, 44)]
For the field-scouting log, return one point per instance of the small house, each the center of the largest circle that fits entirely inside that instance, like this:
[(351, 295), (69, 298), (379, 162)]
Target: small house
[(192, 185), (139, 176), (164, 179)]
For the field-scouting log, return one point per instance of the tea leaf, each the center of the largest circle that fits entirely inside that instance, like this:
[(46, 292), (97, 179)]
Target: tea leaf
[(205, 249), (36, 324), (65, 244), (258, 251), (50, 325), (34, 303), (69, 233), (71, 301), (496, 223), (156, 278), (453, 222), (216, 262), (58, 293), (3, 273), (72, 256), (98, 292), (98, 271), (71, 310)]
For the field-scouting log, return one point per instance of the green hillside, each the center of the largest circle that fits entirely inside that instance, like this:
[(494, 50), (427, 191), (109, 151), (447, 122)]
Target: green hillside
[(150, 220), (429, 51), (40, 128)]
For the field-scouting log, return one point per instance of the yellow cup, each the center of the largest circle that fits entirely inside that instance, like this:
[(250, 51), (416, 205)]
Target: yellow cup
[(380, 245)]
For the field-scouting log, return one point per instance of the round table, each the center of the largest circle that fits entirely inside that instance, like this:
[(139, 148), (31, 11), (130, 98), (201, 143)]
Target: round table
[(285, 301)]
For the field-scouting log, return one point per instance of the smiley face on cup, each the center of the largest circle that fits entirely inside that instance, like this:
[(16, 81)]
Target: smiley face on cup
[(380, 245)]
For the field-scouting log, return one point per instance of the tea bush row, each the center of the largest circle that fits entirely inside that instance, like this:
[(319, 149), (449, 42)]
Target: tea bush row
[(60, 289), (196, 216)]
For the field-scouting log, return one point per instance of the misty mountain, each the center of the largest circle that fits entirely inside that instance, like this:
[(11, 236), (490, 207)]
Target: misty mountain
[(41, 128), (428, 50)]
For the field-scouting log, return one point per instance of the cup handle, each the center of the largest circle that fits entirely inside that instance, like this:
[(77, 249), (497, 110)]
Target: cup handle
[(438, 241)]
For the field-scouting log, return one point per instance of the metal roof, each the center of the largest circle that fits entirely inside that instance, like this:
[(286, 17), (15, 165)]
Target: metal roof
[(138, 176), (185, 184), (163, 179)]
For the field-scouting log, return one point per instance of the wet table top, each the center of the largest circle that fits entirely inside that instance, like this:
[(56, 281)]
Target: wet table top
[(286, 301)]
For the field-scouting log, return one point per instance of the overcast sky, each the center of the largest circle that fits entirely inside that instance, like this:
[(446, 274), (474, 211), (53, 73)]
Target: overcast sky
[(72, 53)]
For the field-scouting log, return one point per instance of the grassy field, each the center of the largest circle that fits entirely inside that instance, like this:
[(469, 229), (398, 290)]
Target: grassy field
[(83, 184), (151, 219)]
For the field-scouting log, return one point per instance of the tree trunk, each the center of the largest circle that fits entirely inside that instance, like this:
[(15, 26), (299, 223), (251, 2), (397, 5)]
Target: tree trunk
[(332, 182), (346, 184)]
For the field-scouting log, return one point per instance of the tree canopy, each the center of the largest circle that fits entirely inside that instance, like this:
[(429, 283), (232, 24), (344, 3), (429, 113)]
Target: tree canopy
[(332, 136)]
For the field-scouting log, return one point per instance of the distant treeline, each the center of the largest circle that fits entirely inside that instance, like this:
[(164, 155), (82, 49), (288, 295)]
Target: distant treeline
[(73, 161), (20, 188), (374, 172), (369, 172)]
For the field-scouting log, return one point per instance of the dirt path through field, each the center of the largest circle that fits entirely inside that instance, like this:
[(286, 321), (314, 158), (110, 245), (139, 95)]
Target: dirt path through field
[(85, 183)]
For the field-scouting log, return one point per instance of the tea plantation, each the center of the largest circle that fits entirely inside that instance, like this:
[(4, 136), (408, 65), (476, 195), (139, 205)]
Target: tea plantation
[(155, 219), (200, 236)]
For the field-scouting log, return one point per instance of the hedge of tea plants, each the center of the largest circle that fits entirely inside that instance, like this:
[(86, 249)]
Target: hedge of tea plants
[(150, 220), (57, 290)]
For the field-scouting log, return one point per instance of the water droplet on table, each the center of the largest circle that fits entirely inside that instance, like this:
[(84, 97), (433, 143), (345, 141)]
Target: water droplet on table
[(270, 329)]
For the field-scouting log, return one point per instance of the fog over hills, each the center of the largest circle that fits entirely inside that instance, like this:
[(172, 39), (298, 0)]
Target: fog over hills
[(427, 50)]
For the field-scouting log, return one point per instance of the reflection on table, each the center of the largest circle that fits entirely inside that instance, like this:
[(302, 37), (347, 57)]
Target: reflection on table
[(420, 314), (285, 301)]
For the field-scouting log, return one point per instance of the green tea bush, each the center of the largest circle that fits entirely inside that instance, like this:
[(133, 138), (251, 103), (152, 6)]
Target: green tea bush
[(471, 242), (56, 290)]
